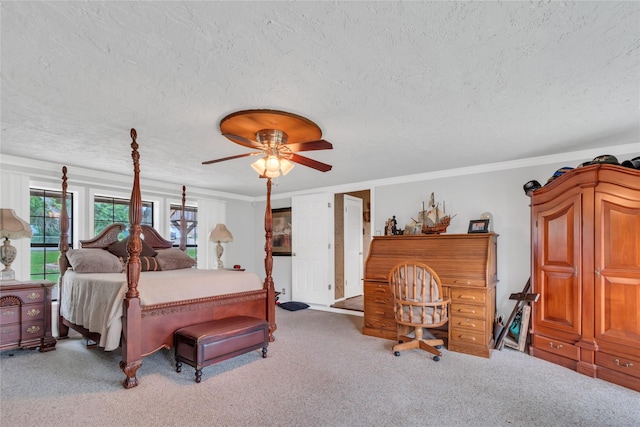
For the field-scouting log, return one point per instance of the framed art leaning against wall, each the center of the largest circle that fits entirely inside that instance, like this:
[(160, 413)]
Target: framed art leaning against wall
[(281, 234)]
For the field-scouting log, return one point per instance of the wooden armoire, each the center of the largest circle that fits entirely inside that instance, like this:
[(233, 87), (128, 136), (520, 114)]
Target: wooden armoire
[(585, 234)]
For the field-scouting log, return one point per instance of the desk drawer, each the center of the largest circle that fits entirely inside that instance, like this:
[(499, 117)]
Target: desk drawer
[(379, 310), (378, 297), (468, 310), (467, 295), (468, 282), (465, 335), (469, 323), (380, 322)]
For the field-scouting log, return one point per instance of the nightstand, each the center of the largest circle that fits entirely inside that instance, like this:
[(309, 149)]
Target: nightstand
[(25, 315)]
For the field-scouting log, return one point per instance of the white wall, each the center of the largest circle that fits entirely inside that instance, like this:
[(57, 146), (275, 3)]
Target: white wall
[(241, 222), (14, 194)]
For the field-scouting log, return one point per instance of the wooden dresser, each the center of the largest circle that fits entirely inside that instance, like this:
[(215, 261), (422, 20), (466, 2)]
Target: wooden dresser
[(466, 264), (585, 233), (25, 315)]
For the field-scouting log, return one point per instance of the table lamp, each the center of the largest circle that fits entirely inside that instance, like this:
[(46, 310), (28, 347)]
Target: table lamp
[(220, 234), (11, 227)]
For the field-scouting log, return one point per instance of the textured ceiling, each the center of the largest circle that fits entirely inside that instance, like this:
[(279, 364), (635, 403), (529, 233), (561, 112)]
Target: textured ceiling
[(399, 88)]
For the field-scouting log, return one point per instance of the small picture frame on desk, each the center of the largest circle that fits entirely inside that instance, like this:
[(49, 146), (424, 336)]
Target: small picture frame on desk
[(479, 226)]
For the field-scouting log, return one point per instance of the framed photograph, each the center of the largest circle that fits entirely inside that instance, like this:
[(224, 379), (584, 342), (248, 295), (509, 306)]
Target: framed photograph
[(281, 232), (479, 226)]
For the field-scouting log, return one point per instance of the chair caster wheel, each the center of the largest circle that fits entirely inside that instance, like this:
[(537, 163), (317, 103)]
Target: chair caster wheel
[(436, 358), (438, 347), (396, 353)]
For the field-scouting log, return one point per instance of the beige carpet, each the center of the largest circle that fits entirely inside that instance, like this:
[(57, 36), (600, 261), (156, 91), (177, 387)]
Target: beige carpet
[(321, 371)]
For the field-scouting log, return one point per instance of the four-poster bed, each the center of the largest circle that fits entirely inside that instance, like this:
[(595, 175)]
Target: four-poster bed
[(150, 312)]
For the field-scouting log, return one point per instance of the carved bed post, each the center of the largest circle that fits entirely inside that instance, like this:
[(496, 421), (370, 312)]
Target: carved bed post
[(183, 223), (268, 265), (132, 320), (63, 263)]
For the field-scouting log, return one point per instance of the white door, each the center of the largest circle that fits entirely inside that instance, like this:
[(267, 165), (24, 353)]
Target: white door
[(353, 262), (311, 275)]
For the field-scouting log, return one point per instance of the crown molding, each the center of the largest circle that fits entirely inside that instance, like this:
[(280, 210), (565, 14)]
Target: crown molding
[(572, 156)]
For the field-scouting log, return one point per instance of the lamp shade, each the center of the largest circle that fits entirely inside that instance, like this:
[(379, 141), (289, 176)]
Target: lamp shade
[(272, 166), (12, 227), (221, 234)]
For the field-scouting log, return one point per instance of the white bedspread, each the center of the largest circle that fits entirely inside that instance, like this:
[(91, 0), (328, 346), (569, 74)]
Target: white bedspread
[(94, 300)]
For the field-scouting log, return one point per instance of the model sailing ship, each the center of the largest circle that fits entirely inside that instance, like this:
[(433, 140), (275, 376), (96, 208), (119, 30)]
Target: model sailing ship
[(434, 220)]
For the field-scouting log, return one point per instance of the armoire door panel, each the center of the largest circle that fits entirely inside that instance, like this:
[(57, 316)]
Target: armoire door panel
[(559, 229), (559, 303), (620, 236), (618, 317)]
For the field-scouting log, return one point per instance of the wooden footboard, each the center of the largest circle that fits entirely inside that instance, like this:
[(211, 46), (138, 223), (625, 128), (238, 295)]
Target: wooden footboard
[(159, 322)]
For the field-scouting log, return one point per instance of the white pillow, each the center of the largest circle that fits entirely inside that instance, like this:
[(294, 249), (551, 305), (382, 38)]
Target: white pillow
[(94, 261)]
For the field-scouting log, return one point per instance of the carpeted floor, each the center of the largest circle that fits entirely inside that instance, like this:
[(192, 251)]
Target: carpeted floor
[(320, 371)]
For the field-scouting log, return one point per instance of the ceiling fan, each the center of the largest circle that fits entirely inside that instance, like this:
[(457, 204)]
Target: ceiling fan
[(278, 136)]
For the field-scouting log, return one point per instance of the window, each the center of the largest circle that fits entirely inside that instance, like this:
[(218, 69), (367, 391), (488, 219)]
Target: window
[(45, 207), (191, 217), (108, 210)]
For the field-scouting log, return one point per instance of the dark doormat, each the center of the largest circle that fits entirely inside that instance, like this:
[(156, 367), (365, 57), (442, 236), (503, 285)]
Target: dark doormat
[(293, 305)]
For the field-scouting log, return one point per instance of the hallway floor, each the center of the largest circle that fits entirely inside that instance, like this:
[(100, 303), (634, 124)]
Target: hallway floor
[(355, 303)]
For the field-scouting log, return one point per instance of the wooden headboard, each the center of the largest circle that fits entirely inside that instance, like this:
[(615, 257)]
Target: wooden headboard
[(110, 235)]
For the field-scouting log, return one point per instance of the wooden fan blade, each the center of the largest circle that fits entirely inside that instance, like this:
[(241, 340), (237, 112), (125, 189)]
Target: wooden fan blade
[(208, 162), (320, 144), (242, 140), (322, 167)]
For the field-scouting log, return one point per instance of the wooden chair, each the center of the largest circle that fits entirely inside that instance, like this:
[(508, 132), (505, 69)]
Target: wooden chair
[(418, 303)]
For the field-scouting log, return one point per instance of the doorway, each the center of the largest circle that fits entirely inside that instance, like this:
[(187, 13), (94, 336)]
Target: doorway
[(348, 292)]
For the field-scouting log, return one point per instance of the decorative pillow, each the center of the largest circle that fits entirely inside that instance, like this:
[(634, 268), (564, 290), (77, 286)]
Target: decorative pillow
[(149, 263), (93, 261), (119, 249), (174, 259)]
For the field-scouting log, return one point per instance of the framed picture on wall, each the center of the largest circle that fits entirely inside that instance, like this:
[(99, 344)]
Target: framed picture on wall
[(479, 226), (281, 232)]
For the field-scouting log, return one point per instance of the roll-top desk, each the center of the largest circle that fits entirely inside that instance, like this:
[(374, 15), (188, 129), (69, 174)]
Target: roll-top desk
[(466, 264)]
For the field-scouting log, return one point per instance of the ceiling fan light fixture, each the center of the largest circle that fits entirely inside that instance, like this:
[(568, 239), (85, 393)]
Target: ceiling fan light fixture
[(272, 163), (286, 166), (260, 166)]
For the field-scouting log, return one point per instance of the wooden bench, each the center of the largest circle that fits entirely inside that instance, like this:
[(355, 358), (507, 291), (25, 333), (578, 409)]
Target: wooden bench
[(207, 343)]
